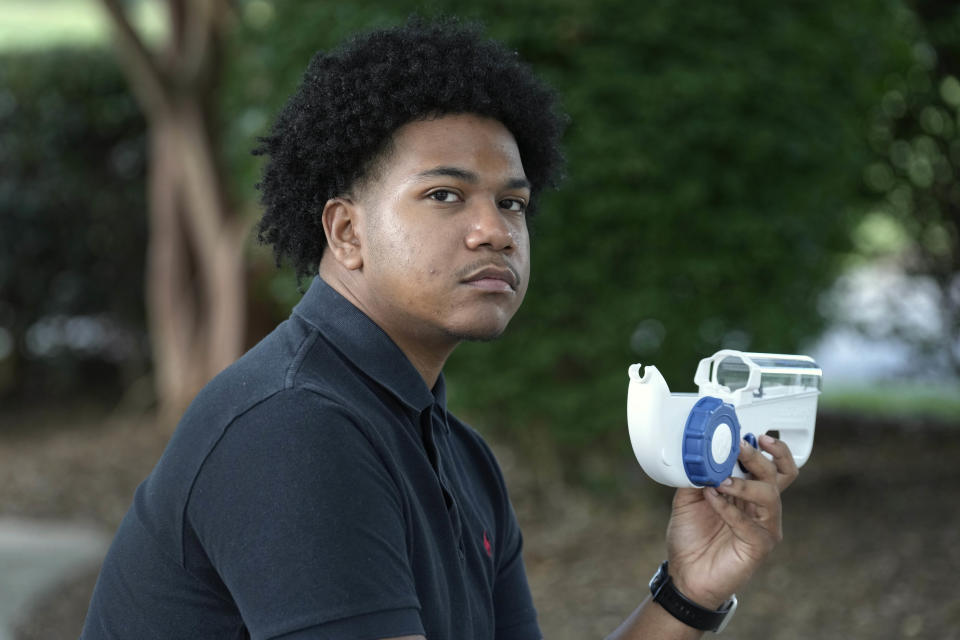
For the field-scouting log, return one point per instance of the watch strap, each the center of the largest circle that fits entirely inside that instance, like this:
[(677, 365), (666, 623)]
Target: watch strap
[(666, 594)]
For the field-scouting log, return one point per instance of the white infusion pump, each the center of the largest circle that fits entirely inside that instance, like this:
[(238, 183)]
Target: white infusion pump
[(693, 439)]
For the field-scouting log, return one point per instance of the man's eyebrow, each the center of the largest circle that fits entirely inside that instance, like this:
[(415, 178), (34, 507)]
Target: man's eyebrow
[(518, 183), (449, 172), (467, 176)]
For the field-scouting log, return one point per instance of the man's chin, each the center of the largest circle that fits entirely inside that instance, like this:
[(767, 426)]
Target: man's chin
[(477, 334), (481, 324)]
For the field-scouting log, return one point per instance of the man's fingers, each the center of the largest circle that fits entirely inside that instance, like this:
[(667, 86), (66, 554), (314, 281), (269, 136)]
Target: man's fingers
[(754, 462), (783, 460), (781, 471), (758, 533), (759, 500), (728, 512)]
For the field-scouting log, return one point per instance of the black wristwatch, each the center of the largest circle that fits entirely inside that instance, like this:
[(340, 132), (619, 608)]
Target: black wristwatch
[(665, 593)]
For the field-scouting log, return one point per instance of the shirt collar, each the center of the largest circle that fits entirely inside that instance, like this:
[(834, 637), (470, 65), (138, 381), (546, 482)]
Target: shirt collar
[(365, 344)]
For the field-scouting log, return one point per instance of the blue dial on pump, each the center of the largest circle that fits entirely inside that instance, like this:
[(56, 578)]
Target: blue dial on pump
[(711, 441)]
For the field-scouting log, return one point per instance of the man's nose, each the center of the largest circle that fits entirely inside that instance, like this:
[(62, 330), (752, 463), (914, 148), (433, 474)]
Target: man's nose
[(489, 228)]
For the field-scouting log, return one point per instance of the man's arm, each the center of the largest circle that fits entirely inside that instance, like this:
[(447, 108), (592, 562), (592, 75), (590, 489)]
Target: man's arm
[(716, 539), (650, 620)]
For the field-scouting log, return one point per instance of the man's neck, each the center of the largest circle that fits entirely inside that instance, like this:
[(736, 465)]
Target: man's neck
[(427, 357)]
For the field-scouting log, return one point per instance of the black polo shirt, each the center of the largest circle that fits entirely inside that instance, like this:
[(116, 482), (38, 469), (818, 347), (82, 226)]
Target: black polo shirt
[(318, 489)]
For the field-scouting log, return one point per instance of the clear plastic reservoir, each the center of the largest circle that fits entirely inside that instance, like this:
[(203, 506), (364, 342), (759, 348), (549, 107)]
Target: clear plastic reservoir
[(779, 374)]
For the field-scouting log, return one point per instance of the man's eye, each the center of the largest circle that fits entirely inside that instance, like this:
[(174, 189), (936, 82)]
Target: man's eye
[(443, 195), (513, 204)]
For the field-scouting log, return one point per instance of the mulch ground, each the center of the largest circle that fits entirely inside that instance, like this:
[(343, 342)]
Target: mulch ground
[(872, 546)]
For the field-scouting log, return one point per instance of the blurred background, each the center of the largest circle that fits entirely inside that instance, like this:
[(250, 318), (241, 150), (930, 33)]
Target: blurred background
[(780, 177)]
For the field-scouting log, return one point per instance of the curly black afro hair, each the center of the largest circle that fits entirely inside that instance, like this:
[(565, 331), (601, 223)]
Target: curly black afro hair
[(350, 101)]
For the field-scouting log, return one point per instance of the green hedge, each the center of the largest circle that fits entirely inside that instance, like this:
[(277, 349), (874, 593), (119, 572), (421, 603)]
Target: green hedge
[(72, 223)]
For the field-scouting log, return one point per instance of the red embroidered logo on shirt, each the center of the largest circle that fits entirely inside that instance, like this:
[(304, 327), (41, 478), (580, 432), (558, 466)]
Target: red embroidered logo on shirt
[(487, 545)]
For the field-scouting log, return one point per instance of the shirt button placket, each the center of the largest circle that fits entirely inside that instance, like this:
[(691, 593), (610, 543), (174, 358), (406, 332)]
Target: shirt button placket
[(433, 424)]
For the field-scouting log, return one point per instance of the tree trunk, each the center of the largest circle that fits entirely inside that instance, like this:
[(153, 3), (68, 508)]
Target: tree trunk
[(195, 285), (196, 294)]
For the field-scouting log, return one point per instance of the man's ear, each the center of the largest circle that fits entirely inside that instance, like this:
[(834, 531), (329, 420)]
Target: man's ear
[(340, 224)]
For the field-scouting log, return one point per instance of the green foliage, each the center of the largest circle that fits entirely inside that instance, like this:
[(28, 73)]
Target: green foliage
[(72, 218), (916, 172), (715, 161)]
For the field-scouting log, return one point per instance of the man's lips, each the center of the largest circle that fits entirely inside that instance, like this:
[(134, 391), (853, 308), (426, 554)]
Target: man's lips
[(493, 278)]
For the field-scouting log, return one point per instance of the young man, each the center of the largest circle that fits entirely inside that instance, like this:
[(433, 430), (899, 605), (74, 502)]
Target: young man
[(319, 488)]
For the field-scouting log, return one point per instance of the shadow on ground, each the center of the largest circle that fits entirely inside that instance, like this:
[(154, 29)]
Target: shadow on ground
[(871, 548)]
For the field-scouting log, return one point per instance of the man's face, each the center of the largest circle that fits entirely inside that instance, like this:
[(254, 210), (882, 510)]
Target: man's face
[(446, 254)]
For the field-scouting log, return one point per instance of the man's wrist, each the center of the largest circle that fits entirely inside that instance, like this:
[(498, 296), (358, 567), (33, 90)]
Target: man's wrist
[(666, 593), (702, 598)]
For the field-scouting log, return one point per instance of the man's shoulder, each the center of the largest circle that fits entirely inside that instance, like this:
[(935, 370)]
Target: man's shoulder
[(293, 360), (249, 411), (262, 371), (297, 430), (257, 394)]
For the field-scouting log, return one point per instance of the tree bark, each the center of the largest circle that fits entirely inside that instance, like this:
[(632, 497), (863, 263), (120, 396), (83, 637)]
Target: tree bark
[(196, 294)]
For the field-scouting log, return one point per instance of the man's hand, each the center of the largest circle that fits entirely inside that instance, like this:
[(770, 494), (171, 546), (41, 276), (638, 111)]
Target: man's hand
[(717, 537)]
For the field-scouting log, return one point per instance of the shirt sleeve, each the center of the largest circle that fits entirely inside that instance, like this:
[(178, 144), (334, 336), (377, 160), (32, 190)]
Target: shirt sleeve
[(301, 519)]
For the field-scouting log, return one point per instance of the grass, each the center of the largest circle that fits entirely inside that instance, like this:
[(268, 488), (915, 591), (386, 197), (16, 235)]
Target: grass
[(38, 24), (909, 400)]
